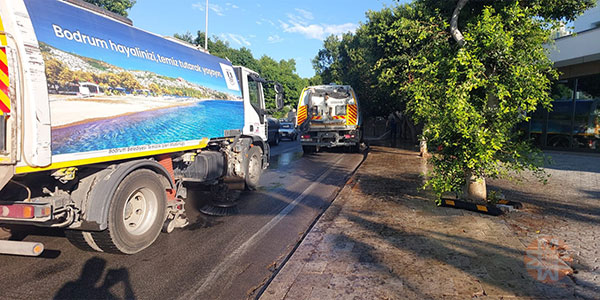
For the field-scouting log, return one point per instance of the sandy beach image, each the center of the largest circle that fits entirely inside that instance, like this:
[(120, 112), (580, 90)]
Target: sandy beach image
[(69, 110)]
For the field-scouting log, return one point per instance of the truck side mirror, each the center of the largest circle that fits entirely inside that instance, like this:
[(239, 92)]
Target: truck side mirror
[(279, 96)]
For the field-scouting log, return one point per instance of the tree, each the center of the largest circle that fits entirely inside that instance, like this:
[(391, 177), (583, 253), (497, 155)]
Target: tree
[(361, 60), (471, 88), (470, 71), (117, 6), (283, 72)]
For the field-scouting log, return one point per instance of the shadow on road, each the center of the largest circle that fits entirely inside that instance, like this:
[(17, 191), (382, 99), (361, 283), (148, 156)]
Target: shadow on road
[(86, 286)]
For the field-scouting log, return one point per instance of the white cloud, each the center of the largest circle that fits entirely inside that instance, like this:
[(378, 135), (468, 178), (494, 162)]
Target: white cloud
[(297, 19), (274, 39), (214, 7), (232, 5), (263, 21), (236, 38), (302, 23), (305, 14), (317, 31)]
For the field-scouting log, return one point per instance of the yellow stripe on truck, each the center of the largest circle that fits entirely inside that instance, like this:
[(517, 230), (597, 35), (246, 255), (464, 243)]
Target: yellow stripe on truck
[(302, 114), (4, 79), (3, 76), (2, 36), (352, 114), (81, 162)]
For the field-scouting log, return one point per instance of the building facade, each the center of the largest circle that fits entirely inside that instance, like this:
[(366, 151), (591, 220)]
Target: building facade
[(574, 121)]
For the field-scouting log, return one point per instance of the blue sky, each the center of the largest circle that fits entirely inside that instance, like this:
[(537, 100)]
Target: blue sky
[(281, 29)]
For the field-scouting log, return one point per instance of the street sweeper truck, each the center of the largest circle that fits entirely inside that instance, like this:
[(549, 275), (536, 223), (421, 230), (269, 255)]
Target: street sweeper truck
[(328, 116), (103, 126)]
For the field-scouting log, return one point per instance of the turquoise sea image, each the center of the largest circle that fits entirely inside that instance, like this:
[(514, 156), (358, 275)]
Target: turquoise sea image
[(208, 118)]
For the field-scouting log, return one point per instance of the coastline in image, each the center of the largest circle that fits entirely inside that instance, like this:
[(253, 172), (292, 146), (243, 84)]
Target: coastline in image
[(68, 110)]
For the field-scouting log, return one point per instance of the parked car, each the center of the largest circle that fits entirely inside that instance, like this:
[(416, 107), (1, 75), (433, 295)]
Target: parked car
[(273, 136), (288, 131)]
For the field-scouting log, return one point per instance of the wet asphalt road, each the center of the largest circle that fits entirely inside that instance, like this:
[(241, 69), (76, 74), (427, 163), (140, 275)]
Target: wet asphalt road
[(212, 258)]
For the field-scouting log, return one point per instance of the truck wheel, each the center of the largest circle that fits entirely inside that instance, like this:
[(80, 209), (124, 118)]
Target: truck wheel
[(277, 139), (82, 240), (136, 214), (253, 168)]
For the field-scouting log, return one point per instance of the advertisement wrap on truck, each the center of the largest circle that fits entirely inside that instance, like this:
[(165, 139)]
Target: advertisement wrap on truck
[(79, 46), (104, 126)]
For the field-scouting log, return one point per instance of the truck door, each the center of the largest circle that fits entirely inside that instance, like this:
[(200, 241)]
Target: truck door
[(254, 103)]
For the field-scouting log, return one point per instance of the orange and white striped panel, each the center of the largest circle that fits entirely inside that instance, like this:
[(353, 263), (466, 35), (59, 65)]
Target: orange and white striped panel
[(302, 114), (352, 114), (317, 117), (4, 82), (339, 117)]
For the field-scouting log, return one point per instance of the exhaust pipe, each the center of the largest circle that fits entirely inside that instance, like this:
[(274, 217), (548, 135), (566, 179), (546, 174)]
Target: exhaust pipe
[(21, 248)]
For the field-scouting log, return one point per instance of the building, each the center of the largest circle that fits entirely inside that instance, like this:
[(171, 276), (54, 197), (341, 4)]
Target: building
[(573, 123)]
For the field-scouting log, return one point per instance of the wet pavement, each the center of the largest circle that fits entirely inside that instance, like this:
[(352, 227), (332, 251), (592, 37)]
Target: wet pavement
[(567, 208), (228, 257), (384, 238)]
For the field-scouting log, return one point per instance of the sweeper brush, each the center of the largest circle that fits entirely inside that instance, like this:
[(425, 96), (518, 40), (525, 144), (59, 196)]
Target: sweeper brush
[(224, 203), (220, 211)]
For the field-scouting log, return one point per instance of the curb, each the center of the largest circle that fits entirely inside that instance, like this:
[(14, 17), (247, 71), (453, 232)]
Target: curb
[(350, 183), (484, 209)]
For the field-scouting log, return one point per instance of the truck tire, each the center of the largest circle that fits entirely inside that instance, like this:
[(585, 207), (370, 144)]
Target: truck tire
[(82, 240), (136, 214), (253, 168)]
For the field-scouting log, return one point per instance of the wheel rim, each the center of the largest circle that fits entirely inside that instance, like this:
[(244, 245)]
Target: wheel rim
[(253, 167), (140, 211)]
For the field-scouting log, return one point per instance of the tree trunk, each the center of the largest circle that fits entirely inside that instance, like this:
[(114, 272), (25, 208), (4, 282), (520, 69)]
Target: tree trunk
[(456, 34), (475, 188), (423, 148)]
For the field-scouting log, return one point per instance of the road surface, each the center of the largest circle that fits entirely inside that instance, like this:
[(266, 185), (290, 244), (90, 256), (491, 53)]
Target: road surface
[(229, 257)]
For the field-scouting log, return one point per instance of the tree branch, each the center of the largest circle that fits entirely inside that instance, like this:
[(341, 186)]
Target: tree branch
[(456, 34)]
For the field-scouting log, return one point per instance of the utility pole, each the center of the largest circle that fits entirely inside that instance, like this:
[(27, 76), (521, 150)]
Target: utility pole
[(206, 30)]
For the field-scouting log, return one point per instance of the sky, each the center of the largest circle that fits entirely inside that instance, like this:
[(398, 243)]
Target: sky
[(281, 29)]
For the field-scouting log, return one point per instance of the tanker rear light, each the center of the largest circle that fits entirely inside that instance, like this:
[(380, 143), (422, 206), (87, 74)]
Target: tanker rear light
[(305, 136), (24, 211), (349, 136)]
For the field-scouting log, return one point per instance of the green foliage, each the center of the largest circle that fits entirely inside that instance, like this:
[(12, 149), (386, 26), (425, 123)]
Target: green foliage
[(283, 71), (117, 6), (362, 61), (470, 98)]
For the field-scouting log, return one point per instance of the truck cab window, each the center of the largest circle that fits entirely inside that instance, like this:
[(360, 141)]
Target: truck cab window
[(255, 97), (253, 93)]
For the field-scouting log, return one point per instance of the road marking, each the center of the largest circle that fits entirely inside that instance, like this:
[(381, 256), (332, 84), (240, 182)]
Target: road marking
[(195, 292)]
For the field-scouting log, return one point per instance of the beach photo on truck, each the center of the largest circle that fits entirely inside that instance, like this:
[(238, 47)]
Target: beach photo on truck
[(112, 87)]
